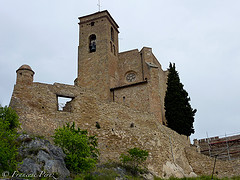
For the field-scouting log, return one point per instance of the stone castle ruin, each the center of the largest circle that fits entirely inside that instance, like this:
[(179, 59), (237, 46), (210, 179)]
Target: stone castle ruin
[(117, 96)]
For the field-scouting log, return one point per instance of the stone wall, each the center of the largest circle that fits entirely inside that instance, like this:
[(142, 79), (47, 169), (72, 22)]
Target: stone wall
[(157, 88), (121, 127), (203, 164), (148, 97), (130, 61), (135, 96), (98, 70)]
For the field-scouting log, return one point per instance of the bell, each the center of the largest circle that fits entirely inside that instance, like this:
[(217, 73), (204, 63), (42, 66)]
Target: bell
[(93, 47)]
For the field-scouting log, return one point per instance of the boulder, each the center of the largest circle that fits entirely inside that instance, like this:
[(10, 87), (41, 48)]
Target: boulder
[(174, 170), (29, 166), (41, 158)]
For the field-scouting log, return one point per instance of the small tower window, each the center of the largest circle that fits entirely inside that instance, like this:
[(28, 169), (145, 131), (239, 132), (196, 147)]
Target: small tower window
[(111, 46), (92, 43), (112, 34), (114, 51), (92, 23)]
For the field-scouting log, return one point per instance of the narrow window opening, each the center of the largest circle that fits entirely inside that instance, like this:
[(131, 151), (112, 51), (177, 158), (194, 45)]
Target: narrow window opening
[(92, 23), (112, 34), (64, 103), (20, 74), (92, 43), (111, 46), (114, 51), (98, 125), (124, 98), (132, 125)]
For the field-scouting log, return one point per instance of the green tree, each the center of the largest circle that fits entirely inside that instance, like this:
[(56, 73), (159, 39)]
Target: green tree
[(80, 148), (134, 158), (8, 135), (179, 113)]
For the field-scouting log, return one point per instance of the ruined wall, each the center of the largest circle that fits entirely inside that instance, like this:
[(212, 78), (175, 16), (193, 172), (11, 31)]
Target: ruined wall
[(121, 127)]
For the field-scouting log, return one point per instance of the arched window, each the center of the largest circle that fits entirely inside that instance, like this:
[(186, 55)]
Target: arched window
[(112, 34), (92, 43)]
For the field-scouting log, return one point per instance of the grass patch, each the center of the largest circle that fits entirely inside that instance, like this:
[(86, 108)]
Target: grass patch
[(98, 174)]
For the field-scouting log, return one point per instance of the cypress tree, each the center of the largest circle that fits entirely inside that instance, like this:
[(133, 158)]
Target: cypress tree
[(179, 113)]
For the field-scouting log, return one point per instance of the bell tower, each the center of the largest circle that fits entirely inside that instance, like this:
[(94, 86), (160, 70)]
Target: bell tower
[(98, 53)]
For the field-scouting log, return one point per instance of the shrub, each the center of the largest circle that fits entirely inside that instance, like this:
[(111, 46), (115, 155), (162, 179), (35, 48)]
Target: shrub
[(134, 158), (9, 118), (80, 148), (8, 135)]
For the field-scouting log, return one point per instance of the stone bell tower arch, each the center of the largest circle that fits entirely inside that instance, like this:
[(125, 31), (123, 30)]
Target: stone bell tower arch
[(98, 53)]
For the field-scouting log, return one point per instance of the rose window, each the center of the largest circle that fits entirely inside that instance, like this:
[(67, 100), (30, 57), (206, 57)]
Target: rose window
[(131, 77)]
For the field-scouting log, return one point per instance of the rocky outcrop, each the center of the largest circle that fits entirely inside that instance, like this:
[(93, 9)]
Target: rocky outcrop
[(174, 170), (41, 158)]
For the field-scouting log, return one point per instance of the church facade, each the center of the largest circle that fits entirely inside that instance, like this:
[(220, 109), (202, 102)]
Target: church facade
[(133, 78)]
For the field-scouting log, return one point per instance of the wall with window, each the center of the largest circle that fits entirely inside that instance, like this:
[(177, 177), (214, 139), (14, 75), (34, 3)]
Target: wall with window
[(130, 63), (135, 96)]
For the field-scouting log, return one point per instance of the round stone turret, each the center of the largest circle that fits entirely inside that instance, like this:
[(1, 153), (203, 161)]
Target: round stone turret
[(25, 75)]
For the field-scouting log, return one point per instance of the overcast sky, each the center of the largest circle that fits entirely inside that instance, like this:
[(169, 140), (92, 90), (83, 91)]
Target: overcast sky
[(201, 36)]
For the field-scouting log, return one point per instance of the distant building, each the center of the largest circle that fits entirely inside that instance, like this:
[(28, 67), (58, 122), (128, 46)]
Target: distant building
[(226, 148)]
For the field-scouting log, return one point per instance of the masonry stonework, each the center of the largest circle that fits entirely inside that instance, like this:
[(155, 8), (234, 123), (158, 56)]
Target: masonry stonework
[(122, 92)]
